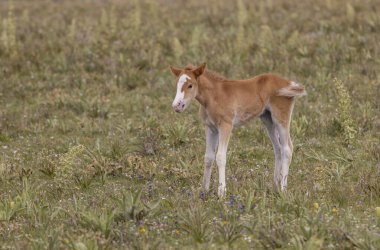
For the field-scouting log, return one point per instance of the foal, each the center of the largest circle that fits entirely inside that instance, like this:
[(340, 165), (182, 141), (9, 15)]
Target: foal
[(228, 103)]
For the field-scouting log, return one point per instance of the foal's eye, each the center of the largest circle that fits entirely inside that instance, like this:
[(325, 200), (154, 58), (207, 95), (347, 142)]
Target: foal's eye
[(190, 86)]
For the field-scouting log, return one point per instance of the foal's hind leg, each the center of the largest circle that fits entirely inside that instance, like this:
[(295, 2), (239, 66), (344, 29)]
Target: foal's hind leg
[(281, 116), (266, 118), (286, 154)]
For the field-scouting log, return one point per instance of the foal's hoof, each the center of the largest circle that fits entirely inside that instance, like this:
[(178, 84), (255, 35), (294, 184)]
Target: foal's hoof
[(280, 189), (221, 192)]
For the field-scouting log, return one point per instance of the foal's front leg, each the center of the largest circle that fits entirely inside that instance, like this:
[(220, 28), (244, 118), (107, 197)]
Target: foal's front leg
[(224, 137), (211, 144)]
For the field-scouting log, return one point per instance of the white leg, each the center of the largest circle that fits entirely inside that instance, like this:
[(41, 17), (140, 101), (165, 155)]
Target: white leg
[(224, 137), (274, 137), (211, 144), (286, 154)]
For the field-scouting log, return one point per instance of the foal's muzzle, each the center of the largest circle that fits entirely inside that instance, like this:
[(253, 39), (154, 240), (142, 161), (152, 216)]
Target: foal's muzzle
[(179, 106)]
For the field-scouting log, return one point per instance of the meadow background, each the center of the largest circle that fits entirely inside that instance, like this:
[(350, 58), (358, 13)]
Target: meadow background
[(93, 157)]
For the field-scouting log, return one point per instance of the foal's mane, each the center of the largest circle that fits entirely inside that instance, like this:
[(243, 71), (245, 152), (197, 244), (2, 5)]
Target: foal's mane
[(208, 73)]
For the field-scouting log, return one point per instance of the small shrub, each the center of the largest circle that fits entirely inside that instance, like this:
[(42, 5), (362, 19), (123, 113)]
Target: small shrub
[(80, 166), (344, 112)]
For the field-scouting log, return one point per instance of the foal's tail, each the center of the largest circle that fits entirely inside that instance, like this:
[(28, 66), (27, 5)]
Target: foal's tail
[(292, 90)]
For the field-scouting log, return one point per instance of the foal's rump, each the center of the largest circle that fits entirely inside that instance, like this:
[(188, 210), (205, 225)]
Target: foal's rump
[(281, 101)]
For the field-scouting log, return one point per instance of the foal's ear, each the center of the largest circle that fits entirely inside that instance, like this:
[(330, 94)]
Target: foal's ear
[(175, 71), (199, 71)]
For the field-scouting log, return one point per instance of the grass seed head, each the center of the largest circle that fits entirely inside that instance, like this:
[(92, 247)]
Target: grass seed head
[(377, 210)]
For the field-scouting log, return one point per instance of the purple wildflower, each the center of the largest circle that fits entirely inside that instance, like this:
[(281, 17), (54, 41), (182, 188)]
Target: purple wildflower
[(202, 195), (232, 200), (242, 208)]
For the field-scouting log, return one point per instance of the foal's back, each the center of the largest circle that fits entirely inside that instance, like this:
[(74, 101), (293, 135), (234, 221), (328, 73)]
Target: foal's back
[(250, 97), (265, 85)]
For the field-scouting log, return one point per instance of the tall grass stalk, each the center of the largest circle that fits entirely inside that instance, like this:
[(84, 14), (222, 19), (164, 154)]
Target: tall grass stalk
[(241, 38), (135, 17), (177, 49), (8, 36)]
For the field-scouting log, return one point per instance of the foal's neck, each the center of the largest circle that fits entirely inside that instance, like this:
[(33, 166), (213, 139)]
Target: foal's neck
[(206, 90)]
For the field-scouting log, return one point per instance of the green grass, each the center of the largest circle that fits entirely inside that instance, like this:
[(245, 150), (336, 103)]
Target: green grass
[(93, 157)]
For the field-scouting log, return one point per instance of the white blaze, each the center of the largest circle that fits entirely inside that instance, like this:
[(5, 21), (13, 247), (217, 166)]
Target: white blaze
[(180, 94)]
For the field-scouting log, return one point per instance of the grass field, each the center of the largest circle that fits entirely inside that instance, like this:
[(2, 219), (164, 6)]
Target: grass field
[(92, 155)]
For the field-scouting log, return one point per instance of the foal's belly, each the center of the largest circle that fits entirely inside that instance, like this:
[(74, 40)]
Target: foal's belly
[(244, 116), (241, 119)]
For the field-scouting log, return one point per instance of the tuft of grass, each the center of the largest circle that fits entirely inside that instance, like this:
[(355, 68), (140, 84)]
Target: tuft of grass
[(178, 134), (194, 223), (9, 209), (102, 222), (229, 229), (85, 245), (130, 206)]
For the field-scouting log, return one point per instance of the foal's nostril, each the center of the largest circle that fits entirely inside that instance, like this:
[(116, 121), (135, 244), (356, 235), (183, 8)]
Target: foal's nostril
[(183, 105)]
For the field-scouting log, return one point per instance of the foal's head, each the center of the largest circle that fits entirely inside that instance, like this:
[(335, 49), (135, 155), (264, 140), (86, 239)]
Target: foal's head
[(187, 85)]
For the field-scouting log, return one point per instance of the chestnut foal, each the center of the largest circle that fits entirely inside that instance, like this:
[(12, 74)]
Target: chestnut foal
[(227, 103)]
